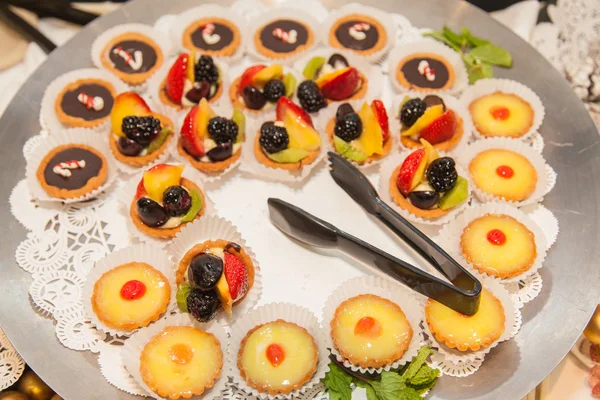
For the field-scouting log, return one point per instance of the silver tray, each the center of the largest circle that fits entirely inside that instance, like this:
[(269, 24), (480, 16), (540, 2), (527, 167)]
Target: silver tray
[(551, 323)]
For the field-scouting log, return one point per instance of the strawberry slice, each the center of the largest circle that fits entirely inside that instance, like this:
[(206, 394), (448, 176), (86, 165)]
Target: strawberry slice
[(236, 276), (176, 78), (441, 129), (141, 190), (190, 140), (382, 117), (285, 105), (248, 77)]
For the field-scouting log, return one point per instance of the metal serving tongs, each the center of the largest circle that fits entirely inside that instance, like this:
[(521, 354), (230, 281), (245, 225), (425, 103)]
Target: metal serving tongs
[(462, 294)]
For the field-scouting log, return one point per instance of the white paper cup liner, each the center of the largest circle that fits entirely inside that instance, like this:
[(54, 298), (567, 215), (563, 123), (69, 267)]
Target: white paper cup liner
[(251, 165), (512, 325), (488, 86), (49, 120), (546, 176), (371, 71), (325, 115), (214, 228), (223, 110), (132, 351), (154, 87), (72, 136), (189, 16), (451, 235), (546, 220), (451, 102), (102, 40), (425, 45), (146, 253), (384, 19), (269, 313), (385, 173), (274, 14), (126, 194), (396, 293)]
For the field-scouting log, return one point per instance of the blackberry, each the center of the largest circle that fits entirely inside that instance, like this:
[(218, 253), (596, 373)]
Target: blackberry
[(310, 96), (441, 174), (273, 90), (222, 130), (206, 70), (176, 201), (141, 129), (348, 127), (411, 111), (273, 138), (203, 305)]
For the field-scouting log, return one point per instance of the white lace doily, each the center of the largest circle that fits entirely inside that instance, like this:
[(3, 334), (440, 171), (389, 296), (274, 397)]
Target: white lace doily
[(11, 364)]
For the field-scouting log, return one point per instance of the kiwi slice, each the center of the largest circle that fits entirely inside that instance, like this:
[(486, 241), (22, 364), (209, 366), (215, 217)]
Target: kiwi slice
[(183, 291), (159, 140), (240, 120), (315, 64), (348, 151), (288, 156), (195, 208), (289, 81), (456, 195)]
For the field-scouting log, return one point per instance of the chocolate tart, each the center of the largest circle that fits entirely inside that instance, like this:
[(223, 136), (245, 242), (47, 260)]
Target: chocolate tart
[(387, 146), (409, 76), (358, 33), (166, 233), (85, 103), (223, 40), (267, 162), (132, 42), (270, 45), (208, 167), (76, 181)]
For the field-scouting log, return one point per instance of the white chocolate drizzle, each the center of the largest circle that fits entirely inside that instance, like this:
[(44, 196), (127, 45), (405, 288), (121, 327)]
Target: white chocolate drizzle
[(357, 31), (289, 37), (92, 103), (134, 62), (208, 35), (64, 168), (426, 70)]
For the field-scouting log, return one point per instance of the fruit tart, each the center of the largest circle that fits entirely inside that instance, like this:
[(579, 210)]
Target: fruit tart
[(290, 142), (462, 332), (138, 136), (209, 142), (428, 185), (502, 114), (85, 103), (362, 136), (211, 276), (430, 119), (283, 38), (214, 36), (370, 331), (498, 245), (181, 362), (165, 201), (190, 79), (504, 173), (328, 80), (260, 87), (278, 357), (130, 296)]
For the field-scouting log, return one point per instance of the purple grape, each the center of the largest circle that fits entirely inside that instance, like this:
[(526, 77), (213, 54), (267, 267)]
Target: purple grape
[(151, 213), (253, 98), (222, 152), (129, 147), (177, 201)]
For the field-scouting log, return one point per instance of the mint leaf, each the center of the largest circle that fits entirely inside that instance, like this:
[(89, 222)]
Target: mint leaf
[(371, 395), (408, 394), (440, 37), (480, 71), (390, 385), (492, 54), (417, 362), (183, 291), (473, 41), (424, 376), (453, 36), (338, 383)]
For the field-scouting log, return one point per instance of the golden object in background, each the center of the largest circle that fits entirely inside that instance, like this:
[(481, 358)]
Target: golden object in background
[(13, 396), (56, 397), (592, 330), (31, 385)]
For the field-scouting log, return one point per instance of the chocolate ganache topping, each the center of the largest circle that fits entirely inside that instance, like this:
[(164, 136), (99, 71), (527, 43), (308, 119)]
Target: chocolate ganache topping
[(79, 176), (72, 104), (357, 35), (222, 32), (411, 72), (133, 56), (284, 44)]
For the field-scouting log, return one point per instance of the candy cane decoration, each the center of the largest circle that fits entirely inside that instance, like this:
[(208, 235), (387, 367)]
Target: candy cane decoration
[(427, 71), (134, 62), (357, 31), (208, 36), (64, 168), (95, 103), (289, 37)]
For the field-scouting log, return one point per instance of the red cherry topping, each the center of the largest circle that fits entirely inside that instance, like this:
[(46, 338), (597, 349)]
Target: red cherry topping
[(496, 237), (275, 354), (500, 113), (504, 171), (368, 326), (133, 290)]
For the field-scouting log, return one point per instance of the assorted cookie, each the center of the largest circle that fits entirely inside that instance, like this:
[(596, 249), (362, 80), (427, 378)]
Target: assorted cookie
[(363, 136), (283, 35), (209, 142)]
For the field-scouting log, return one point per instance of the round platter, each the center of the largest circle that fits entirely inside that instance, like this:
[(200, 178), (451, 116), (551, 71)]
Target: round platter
[(551, 323)]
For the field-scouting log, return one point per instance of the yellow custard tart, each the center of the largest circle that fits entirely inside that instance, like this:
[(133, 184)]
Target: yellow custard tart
[(462, 332), (278, 357), (370, 331), (181, 361), (502, 114)]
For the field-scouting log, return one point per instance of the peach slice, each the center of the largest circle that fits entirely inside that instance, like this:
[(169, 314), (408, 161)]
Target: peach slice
[(225, 295), (158, 178), (248, 77), (274, 71), (412, 171), (370, 140), (127, 104), (339, 85)]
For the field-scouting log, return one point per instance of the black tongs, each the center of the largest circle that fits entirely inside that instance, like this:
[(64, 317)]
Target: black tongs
[(462, 294)]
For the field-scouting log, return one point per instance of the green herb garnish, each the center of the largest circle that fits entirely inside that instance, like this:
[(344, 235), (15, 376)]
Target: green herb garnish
[(477, 53)]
